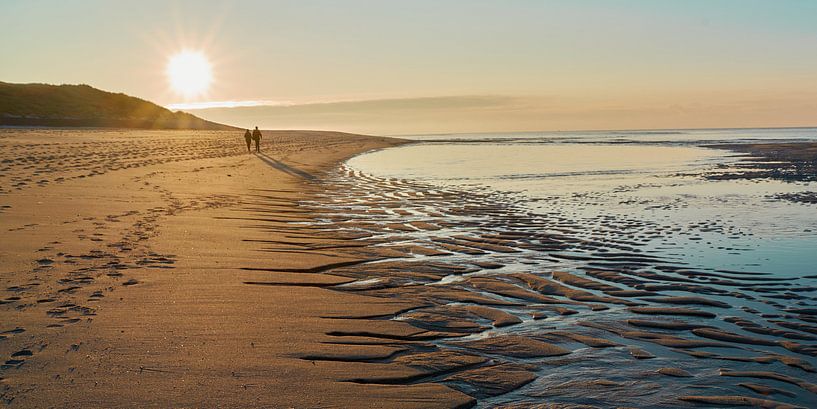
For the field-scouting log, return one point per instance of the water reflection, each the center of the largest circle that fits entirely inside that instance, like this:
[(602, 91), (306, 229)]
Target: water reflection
[(654, 192)]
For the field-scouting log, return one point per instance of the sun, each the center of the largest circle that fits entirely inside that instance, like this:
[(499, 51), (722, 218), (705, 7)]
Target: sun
[(189, 73)]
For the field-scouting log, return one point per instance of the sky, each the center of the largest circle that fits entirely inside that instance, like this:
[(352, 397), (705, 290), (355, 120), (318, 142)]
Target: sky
[(403, 67)]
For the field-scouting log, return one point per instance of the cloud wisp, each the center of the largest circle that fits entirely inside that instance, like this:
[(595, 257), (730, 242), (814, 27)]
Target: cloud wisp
[(507, 113)]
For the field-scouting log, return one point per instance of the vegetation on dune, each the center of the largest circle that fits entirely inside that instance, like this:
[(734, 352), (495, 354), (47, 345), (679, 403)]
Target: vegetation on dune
[(85, 106)]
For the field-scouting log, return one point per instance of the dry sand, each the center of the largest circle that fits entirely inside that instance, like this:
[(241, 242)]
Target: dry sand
[(126, 267)]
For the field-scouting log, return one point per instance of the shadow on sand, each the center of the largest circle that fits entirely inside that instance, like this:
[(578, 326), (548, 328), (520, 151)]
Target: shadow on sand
[(284, 167)]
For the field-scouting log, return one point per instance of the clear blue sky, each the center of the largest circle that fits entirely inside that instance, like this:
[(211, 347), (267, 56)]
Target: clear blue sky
[(572, 61)]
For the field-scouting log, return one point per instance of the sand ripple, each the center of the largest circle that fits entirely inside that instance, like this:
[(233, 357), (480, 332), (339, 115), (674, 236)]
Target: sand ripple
[(542, 304)]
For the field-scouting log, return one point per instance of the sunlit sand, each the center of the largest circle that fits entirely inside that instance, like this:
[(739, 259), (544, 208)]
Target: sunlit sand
[(415, 205)]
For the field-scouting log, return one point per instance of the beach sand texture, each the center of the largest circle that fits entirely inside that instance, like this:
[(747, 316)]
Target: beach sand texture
[(124, 261), (175, 269)]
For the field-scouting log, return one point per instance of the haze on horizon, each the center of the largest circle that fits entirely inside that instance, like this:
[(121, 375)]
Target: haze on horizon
[(438, 66)]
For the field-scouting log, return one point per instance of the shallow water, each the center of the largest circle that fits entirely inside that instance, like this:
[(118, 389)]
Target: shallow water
[(731, 224), (639, 217)]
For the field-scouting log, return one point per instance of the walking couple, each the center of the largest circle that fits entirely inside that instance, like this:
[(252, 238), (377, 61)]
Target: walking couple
[(254, 136)]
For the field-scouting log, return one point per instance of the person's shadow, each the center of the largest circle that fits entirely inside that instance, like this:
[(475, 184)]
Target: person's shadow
[(284, 167)]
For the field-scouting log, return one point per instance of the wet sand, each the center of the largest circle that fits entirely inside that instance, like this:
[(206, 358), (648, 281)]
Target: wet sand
[(794, 161), (611, 324), (218, 278), (790, 162)]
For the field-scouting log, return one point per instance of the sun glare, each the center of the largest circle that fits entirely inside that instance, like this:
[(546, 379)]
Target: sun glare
[(189, 73)]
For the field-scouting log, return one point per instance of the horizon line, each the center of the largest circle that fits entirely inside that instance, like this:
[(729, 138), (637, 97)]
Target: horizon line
[(613, 130)]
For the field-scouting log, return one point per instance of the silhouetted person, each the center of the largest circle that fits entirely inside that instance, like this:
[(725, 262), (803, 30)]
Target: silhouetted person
[(248, 139), (256, 136)]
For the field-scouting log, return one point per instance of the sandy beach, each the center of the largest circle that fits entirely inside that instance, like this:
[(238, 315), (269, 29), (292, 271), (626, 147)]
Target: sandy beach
[(493, 204), (128, 259), (173, 268)]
